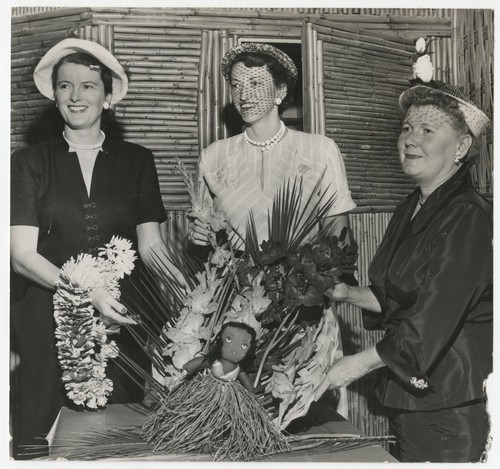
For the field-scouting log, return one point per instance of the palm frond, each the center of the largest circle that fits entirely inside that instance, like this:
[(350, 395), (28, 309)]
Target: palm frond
[(223, 299), (328, 443), (251, 236), (126, 442), (306, 222), (293, 218)]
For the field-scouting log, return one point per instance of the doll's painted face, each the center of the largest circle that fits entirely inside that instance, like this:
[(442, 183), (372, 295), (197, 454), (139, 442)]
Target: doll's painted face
[(235, 343)]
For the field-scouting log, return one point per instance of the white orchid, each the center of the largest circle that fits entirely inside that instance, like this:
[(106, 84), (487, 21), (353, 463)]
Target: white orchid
[(423, 68), (420, 45)]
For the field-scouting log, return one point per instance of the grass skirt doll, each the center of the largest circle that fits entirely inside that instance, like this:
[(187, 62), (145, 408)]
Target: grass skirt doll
[(214, 409)]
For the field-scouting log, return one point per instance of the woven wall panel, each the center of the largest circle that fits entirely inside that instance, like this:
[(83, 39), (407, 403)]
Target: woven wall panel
[(364, 74), (160, 108), (161, 48), (364, 409), (22, 11), (474, 37)]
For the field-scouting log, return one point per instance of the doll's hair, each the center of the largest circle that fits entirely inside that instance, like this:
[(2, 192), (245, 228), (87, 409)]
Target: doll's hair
[(214, 352)]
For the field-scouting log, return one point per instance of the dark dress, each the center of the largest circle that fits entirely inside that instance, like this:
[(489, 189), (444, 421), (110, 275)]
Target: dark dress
[(48, 191), (433, 278)]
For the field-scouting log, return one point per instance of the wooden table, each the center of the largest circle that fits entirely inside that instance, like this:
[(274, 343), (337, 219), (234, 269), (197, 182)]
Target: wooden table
[(320, 419)]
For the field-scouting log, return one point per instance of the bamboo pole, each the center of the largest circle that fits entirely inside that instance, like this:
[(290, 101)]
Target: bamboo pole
[(209, 90), (216, 79), (81, 13), (309, 113), (320, 85), (224, 46), (201, 88), (183, 42)]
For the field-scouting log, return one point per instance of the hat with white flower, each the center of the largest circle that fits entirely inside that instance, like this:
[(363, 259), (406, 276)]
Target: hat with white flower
[(423, 72), (43, 71), (258, 47)]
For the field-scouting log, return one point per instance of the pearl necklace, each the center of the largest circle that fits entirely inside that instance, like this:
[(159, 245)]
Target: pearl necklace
[(266, 145), (81, 146)]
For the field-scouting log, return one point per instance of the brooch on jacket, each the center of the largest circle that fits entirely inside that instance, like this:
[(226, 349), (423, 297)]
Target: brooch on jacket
[(419, 383)]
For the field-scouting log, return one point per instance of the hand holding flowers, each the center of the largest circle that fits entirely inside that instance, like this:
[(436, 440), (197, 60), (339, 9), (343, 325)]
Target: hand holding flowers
[(113, 312), (85, 284)]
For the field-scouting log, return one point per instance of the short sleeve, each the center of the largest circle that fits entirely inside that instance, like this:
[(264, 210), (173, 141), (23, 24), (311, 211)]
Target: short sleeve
[(151, 207), (335, 180), (24, 186)]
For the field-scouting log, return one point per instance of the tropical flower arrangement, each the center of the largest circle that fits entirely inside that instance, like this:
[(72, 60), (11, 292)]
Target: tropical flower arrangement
[(81, 338), (276, 287)]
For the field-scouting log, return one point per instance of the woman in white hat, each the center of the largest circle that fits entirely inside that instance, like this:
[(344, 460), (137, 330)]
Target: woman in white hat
[(242, 173), (71, 195), (431, 288)]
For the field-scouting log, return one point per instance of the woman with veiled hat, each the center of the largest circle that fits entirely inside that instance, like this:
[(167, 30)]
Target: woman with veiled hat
[(71, 195), (431, 288), (241, 174)]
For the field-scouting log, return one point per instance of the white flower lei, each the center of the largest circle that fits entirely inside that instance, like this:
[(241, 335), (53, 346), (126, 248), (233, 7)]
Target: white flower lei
[(83, 349)]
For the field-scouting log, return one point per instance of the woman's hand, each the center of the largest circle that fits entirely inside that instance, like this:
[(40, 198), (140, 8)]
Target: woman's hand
[(341, 292), (113, 311), (350, 368), (345, 371), (362, 297), (199, 233)]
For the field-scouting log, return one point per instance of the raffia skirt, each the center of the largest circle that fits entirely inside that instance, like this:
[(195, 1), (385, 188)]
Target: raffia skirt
[(208, 415)]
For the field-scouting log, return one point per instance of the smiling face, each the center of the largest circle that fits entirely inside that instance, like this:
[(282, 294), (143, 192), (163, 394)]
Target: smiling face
[(235, 343), (79, 94), (253, 92), (428, 143)]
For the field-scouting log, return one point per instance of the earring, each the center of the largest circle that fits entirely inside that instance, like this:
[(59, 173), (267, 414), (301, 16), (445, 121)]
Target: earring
[(457, 157), (278, 101), (105, 105)]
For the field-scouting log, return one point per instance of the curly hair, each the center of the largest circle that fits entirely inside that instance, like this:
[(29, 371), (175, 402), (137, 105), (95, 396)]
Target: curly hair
[(423, 96)]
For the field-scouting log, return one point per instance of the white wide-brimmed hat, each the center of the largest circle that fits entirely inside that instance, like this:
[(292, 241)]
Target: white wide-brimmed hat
[(43, 71)]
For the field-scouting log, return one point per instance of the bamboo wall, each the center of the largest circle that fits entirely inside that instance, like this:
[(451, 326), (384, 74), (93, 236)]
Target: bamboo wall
[(473, 42), (173, 106), (175, 94)]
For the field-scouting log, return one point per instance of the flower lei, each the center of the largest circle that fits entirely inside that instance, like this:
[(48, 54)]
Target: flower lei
[(81, 339)]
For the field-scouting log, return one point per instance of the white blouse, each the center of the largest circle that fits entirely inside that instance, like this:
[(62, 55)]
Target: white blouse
[(239, 178)]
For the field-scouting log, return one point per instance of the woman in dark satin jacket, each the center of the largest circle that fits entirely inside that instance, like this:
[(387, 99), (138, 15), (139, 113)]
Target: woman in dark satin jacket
[(431, 289)]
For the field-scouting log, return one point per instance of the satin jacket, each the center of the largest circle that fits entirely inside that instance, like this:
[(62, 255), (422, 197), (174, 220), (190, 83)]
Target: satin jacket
[(433, 278)]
